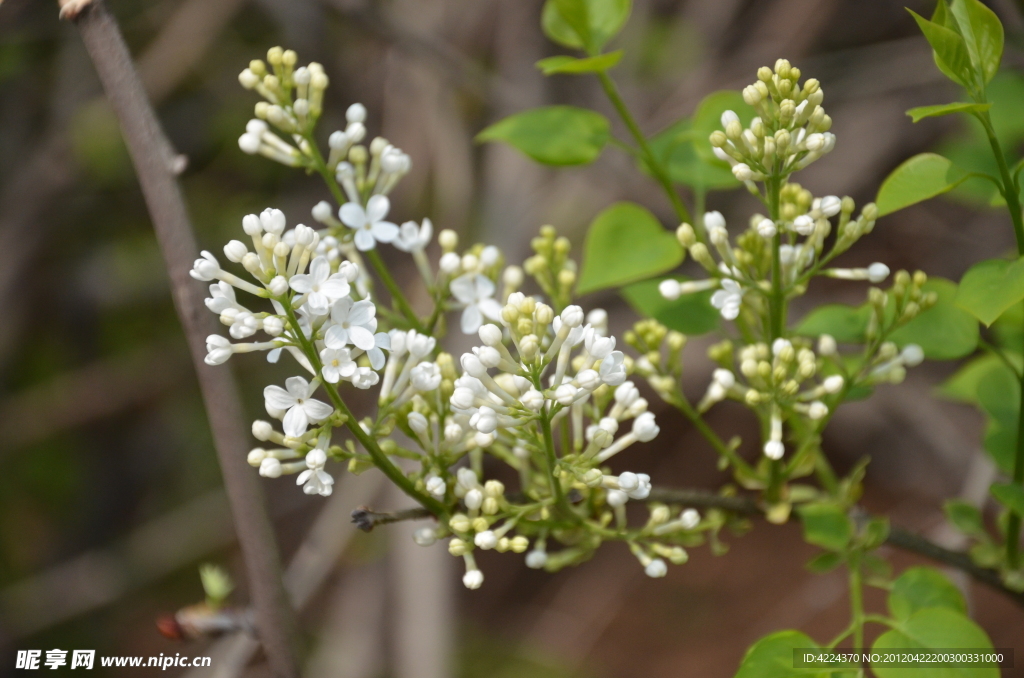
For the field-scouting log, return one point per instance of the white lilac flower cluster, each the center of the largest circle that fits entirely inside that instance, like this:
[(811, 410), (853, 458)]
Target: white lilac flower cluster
[(313, 305), (546, 394), (755, 272), (790, 131)]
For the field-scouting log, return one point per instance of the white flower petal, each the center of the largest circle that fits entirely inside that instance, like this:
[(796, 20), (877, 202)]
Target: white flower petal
[(490, 308), (320, 269), (334, 287), (377, 208), (297, 386), (352, 215), (278, 398), (362, 312), (472, 319), (384, 231), (464, 288), (336, 337), (295, 421), (361, 337), (316, 410), (364, 240)]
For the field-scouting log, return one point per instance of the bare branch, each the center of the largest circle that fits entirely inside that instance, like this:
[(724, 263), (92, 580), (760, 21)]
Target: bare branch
[(366, 519), (154, 161)]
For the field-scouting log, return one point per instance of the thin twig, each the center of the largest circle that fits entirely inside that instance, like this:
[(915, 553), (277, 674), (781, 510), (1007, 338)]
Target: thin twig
[(155, 162), (366, 519)]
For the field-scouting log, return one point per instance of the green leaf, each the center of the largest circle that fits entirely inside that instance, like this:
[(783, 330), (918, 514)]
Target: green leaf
[(929, 629), (844, 323), (965, 517), (708, 118), (772, 657), (970, 150), (963, 385), (1009, 495), (572, 65), (944, 331), (676, 148), (584, 24), (948, 50), (923, 176), (982, 33), (1001, 444), (626, 243), (875, 533), (690, 314), (553, 135), (922, 587), (824, 562), (826, 525), (990, 287), (942, 17), (922, 112), (999, 395)]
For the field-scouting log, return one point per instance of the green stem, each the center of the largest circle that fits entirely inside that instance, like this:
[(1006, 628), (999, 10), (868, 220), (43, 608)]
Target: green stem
[(684, 406), (777, 300), (394, 290), (552, 463), (776, 312), (856, 604), (380, 459), (657, 169), (1013, 525)]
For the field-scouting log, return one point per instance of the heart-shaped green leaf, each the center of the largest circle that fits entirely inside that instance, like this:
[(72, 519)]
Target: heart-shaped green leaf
[(843, 323), (772, 657), (923, 176), (990, 287), (934, 628), (626, 243), (690, 313), (945, 331), (921, 587), (553, 135), (584, 24)]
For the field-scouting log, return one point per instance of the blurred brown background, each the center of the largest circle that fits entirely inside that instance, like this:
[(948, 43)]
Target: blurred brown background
[(109, 491)]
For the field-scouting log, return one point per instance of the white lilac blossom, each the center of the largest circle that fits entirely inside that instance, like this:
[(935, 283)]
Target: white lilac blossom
[(368, 223), (549, 390), (321, 286), (296, 405), (476, 292)]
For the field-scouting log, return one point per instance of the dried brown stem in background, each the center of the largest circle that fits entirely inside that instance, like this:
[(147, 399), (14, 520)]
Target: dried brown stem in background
[(155, 163)]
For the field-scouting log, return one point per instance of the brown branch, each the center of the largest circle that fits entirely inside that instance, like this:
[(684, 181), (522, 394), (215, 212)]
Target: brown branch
[(366, 519), (155, 162)]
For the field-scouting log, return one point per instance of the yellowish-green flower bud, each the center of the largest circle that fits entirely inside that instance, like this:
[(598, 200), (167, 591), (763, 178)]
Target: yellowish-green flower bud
[(685, 235)]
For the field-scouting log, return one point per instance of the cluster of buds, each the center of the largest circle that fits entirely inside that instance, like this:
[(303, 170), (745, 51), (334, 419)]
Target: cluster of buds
[(548, 391), (284, 121), (740, 268), (789, 133)]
